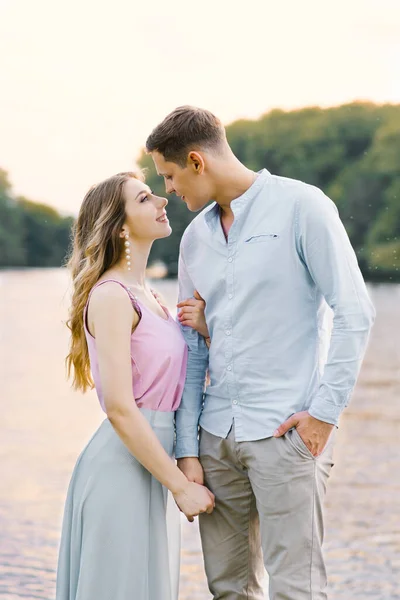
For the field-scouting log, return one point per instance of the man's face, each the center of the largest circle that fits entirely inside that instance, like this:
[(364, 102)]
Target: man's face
[(189, 183)]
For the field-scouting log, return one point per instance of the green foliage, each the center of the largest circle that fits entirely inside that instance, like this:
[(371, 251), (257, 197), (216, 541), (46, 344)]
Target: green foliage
[(12, 252), (352, 152), (45, 234), (31, 234)]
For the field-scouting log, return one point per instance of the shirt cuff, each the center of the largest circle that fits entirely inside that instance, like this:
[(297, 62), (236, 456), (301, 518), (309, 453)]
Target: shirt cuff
[(186, 447), (326, 411)]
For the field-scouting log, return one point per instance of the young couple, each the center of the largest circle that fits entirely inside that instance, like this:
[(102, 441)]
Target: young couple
[(258, 269)]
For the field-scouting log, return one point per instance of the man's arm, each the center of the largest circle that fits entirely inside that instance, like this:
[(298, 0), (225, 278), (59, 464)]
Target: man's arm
[(332, 264), (188, 414), (326, 251)]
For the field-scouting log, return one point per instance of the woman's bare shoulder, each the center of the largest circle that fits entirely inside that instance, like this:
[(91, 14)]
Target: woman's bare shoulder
[(111, 299)]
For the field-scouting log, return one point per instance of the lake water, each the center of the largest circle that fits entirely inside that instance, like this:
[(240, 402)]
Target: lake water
[(44, 425)]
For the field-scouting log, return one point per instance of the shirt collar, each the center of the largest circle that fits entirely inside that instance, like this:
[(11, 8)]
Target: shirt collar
[(238, 204)]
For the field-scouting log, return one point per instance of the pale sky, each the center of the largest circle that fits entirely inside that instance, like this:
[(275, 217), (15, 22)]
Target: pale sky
[(83, 82)]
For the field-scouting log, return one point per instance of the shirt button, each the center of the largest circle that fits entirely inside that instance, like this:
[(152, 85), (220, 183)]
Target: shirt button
[(228, 332), (230, 296), (230, 259), (234, 402), (229, 368)]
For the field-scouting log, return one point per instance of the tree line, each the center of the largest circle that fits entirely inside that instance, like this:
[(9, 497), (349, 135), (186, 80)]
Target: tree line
[(351, 152), (31, 234)]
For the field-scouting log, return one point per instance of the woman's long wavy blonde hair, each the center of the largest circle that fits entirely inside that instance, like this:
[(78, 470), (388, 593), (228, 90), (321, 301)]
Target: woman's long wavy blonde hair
[(96, 247)]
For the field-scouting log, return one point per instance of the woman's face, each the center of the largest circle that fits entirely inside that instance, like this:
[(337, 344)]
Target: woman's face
[(146, 217)]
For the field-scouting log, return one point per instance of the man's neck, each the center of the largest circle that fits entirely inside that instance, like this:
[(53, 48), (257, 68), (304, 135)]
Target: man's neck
[(226, 222), (233, 180)]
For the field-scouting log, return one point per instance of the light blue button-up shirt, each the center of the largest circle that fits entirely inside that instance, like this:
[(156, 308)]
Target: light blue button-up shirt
[(270, 290)]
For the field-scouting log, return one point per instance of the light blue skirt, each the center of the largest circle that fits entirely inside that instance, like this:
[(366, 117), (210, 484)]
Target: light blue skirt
[(120, 534)]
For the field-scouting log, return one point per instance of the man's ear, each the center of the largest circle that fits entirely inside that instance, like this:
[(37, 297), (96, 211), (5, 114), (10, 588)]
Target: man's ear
[(196, 161)]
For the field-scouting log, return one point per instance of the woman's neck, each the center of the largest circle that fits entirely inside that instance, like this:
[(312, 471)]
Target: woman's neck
[(136, 275)]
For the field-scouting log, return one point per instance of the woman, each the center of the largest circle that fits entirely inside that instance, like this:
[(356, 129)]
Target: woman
[(114, 538)]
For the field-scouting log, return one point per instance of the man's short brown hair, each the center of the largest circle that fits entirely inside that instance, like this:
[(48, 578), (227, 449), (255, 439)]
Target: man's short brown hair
[(186, 128)]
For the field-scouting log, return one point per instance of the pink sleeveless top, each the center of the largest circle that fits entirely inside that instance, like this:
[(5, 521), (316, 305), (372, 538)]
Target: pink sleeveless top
[(158, 356)]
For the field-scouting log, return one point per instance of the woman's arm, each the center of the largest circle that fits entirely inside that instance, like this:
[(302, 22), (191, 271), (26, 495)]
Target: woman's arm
[(112, 317), (192, 315)]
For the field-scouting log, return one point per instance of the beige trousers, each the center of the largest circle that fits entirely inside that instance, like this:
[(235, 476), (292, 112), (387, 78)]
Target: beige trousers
[(269, 496)]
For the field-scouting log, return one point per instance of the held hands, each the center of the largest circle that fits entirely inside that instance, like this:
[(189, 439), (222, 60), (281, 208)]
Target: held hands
[(192, 314), (193, 471), (194, 499), (313, 432)]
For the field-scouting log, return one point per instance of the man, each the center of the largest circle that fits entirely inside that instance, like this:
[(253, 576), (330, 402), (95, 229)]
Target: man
[(268, 257)]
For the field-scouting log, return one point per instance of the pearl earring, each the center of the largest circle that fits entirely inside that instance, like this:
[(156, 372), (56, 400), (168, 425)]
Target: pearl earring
[(128, 251)]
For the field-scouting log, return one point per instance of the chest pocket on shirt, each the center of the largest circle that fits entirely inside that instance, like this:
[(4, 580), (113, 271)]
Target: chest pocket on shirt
[(261, 237), (262, 257)]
